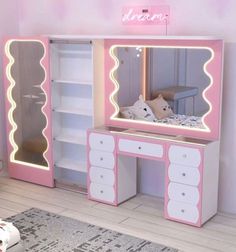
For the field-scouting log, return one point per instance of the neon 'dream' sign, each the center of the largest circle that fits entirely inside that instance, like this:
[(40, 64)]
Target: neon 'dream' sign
[(146, 15)]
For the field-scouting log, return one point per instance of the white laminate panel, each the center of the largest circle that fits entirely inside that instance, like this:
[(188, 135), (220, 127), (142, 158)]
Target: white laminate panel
[(184, 174), (101, 142), (102, 192), (182, 211), (102, 176), (102, 159), (142, 148), (184, 155), (183, 193)]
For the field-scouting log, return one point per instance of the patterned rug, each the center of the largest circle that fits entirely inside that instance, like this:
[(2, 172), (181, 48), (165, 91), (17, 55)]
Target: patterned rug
[(44, 231)]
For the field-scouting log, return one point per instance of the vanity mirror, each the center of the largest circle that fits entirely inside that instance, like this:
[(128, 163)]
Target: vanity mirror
[(169, 86)]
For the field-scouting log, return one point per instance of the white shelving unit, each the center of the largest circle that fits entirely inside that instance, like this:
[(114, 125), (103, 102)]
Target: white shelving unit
[(72, 103)]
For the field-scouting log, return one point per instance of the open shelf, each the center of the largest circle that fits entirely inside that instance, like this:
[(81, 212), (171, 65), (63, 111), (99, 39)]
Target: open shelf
[(72, 102), (72, 62), (76, 111), (72, 164), (74, 82), (75, 137)]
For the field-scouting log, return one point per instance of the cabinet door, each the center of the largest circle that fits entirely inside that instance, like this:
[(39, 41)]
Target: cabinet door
[(26, 66)]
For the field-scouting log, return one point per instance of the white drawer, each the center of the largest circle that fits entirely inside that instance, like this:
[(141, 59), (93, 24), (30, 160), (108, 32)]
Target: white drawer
[(101, 142), (184, 174), (102, 192), (183, 193), (184, 155), (102, 176), (182, 211), (102, 159), (143, 148)]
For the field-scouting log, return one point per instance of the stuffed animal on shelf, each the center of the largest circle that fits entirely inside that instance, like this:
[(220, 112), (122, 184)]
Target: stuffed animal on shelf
[(160, 107), (139, 111)]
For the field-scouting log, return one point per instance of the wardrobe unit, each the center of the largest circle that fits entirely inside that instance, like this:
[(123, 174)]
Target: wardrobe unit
[(71, 104), (49, 84)]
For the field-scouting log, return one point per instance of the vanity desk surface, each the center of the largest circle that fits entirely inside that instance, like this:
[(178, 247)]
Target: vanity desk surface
[(191, 170)]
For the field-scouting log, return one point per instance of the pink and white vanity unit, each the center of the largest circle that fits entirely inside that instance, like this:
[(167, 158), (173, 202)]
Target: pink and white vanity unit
[(187, 72)]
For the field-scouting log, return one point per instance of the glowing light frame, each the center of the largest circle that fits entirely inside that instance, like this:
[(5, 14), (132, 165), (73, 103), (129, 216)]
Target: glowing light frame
[(117, 86), (13, 104)]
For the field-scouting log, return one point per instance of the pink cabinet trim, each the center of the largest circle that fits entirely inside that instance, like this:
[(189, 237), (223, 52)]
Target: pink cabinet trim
[(212, 93), (18, 170)]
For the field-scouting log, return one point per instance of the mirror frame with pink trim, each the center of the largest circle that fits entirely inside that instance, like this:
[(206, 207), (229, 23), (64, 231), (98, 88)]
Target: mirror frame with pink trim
[(211, 94)]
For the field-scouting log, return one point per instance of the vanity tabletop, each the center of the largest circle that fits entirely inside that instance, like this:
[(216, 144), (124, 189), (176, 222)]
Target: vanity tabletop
[(132, 132)]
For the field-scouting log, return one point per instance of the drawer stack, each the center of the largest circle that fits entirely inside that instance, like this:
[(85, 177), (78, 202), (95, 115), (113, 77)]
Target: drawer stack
[(183, 194), (101, 167)]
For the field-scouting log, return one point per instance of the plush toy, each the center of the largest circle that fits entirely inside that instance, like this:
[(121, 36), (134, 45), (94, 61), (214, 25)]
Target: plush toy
[(160, 107), (126, 112), (139, 111)]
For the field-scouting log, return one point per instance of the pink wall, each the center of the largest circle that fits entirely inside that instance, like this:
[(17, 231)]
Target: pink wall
[(202, 17), (9, 26)]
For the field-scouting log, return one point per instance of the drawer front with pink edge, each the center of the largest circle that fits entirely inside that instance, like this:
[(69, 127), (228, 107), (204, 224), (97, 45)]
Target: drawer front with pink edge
[(183, 184), (102, 176), (102, 159), (102, 193), (183, 212), (141, 148)]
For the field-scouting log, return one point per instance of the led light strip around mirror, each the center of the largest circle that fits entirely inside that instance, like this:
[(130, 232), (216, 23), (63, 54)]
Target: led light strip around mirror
[(117, 86), (13, 104)]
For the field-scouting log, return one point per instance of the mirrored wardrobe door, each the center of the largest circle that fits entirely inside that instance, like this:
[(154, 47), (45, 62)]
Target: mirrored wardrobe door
[(28, 110)]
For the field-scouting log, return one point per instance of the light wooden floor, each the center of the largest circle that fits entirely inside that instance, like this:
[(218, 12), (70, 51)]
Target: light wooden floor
[(140, 216)]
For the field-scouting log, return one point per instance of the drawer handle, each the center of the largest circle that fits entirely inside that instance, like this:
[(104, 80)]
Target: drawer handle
[(139, 147), (182, 210), (184, 155), (101, 158), (101, 176), (101, 191), (183, 194), (101, 142), (183, 174)]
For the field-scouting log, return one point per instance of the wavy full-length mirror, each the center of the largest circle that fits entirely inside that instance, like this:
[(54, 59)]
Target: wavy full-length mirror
[(27, 99), (167, 86)]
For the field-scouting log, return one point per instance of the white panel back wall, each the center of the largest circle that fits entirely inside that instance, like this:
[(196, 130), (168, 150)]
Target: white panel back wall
[(104, 17)]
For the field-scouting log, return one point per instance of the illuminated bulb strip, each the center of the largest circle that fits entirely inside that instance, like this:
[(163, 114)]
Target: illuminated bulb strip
[(13, 106), (116, 84), (46, 101), (207, 88), (11, 100)]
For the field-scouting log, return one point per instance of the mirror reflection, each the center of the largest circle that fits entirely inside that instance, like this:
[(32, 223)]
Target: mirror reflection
[(29, 98), (162, 85)]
